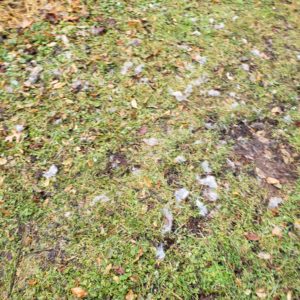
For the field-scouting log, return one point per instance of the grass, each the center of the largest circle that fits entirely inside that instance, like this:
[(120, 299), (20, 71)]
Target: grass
[(53, 239)]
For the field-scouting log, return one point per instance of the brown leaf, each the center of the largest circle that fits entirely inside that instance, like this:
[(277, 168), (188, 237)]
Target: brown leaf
[(251, 236), (139, 255), (119, 270), (272, 180), (79, 292), (130, 295), (32, 282)]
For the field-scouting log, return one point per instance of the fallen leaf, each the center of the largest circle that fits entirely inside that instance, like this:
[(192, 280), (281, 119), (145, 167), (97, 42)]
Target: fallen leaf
[(32, 282), (134, 104), (119, 270), (272, 180), (25, 23), (79, 292), (139, 255), (107, 269), (143, 130), (264, 255), (3, 161), (261, 293), (130, 295), (260, 173), (251, 236), (277, 231)]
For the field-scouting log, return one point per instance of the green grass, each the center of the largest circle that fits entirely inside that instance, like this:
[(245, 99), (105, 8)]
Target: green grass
[(52, 239)]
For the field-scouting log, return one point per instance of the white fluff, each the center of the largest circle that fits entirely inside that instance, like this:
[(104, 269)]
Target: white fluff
[(160, 253), (202, 208), (209, 181), (219, 26), (274, 202), (213, 93), (245, 67), (211, 195), (151, 141), (181, 194), (168, 219), (205, 166), (100, 198), (51, 172), (256, 52), (178, 95), (201, 59), (19, 128), (180, 159), (127, 65), (138, 70)]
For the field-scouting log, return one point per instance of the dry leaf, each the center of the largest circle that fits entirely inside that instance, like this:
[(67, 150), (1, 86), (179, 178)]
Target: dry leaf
[(261, 293), (130, 295), (251, 236), (79, 292), (264, 255), (25, 23), (139, 255), (107, 269), (32, 282), (277, 231), (3, 161), (272, 180), (1, 180), (134, 103), (260, 173)]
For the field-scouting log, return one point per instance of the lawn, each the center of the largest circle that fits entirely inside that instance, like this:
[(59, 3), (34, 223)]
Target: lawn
[(150, 150)]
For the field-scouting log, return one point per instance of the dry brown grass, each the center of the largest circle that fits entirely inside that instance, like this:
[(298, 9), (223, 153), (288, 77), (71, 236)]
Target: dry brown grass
[(21, 13)]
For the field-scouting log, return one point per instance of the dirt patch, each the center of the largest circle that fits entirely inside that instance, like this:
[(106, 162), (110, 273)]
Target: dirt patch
[(274, 160), (197, 226)]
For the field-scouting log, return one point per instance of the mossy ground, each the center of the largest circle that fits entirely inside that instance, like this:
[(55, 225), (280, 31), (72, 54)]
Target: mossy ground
[(53, 239)]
